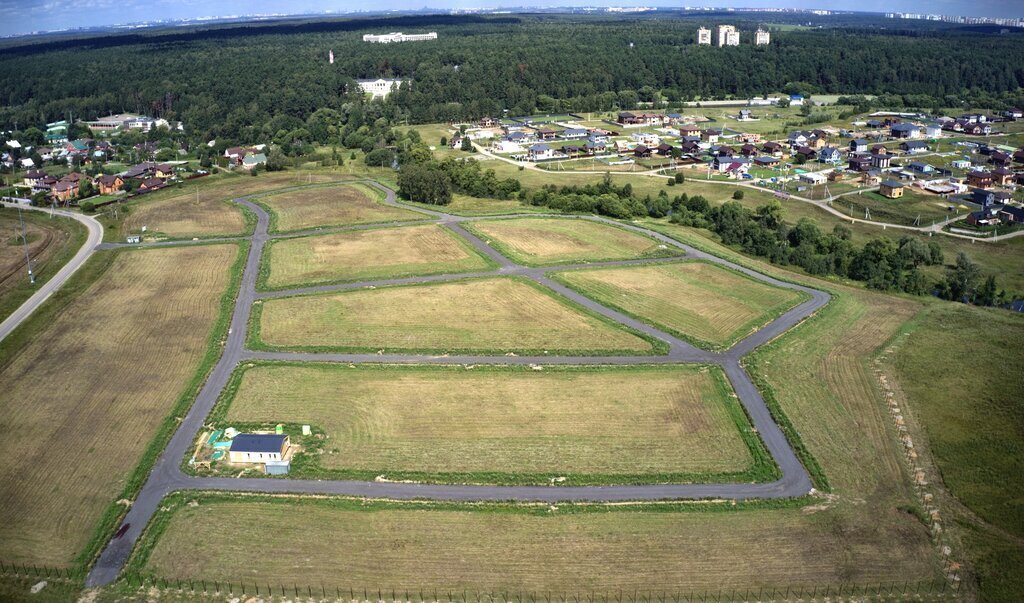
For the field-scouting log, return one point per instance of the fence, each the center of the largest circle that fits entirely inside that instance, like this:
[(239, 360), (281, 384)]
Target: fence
[(931, 590), (29, 570)]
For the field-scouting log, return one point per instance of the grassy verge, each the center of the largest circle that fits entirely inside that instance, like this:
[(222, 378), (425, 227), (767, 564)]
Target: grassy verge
[(306, 464)]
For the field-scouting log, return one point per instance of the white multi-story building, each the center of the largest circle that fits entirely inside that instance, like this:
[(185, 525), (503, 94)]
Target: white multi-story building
[(379, 87), (397, 36), (704, 36), (728, 36), (761, 37)]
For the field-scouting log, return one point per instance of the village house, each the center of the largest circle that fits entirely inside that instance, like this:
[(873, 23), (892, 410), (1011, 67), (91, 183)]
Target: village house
[(664, 149), (933, 130), (258, 448), (905, 130), (831, 155), (767, 161), (836, 176), (859, 146), (594, 146), (797, 139), (773, 148), (540, 152), (871, 177), (488, 122), (32, 177), (163, 171), (891, 189), (1000, 158), (710, 136), (574, 133), (641, 152), (881, 161), (921, 167), (813, 178), (252, 160), (1013, 113), (65, 190), (108, 184), (724, 151), (1002, 176), (960, 164), (859, 163), (808, 153), (689, 130), (151, 184), (1009, 213), (879, 149), (748, 150), (979, 179), (546, 133), (691, 147)]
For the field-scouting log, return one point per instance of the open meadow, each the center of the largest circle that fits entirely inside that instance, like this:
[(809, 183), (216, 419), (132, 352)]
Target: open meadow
[(445, 423), (492, 315), (604, 551), (199, 207), (52, 241), (711, 306), (546, 241), (340, 205), (90, 381), (374, 253)]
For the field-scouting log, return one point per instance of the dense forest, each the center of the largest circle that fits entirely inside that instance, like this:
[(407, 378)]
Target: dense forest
[(233, 81)]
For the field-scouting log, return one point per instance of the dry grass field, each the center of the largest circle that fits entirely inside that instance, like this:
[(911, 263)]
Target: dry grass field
[(332, 206), (84, 397), (367, 254), (702, 302), (495, 315), (543, 241), (633, 420), (506, 549), (176, 212), (52, 241)]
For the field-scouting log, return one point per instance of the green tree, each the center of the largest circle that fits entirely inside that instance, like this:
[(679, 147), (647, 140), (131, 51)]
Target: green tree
[(738, 195), (467, 144), (962, 279), (424, 183)]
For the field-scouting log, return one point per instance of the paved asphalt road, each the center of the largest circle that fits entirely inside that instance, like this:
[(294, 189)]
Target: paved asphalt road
[(167, 476), (46, 289)]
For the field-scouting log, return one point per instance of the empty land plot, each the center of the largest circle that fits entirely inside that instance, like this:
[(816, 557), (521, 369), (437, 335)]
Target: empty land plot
[(179, 212), (86, 395), (495, 315), (378, 253), (699, 301), (488, 424), (332, 206), (540, 241), (508, 549)]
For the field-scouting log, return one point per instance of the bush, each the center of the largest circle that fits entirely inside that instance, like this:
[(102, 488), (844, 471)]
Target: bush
[(679, 178), (87, 206), (738, 195), (379, 158)]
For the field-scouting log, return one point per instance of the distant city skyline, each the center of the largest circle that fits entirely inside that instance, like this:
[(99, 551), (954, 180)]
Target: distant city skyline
[(19, 17)]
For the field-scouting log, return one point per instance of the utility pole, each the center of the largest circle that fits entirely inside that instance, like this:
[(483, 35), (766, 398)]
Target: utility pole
[(24, 241)]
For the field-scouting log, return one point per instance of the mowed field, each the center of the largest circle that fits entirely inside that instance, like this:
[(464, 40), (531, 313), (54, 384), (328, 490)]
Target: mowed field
[(493, 315), (519, 551), (544, 241), (178, 212), (86, 395), (648, 420), (366, 255), (704, 303), (332, 206)]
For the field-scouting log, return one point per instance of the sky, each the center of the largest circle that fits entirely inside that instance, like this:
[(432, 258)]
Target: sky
[(25, 16)]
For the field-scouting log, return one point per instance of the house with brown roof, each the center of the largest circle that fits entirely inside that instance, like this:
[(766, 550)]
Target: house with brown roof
[(980, 179), (772, 148), (164, 171), (641, 151), (108, 184), (65, 190), (1002, 176), (689, 130), (891, 189), (150, 184)]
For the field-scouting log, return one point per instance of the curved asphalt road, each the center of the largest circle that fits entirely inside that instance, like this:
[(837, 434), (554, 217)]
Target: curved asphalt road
[(167, 476), (46, 289)]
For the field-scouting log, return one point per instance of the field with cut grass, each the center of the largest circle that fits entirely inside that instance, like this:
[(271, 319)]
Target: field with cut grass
[(560, 550), (954, 366), (503, 423), (545, 241), (331, 206), (498, 315), (366, 255), (464, 205), (52, 241), (179, 213), (88, 384), (698, 301)]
